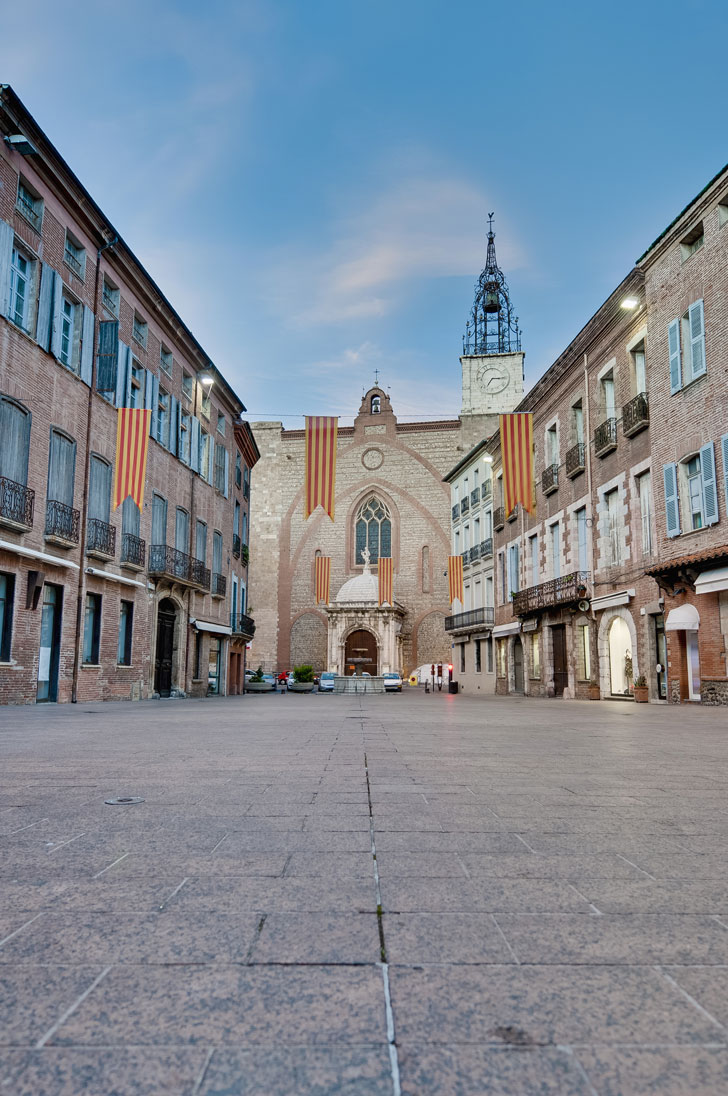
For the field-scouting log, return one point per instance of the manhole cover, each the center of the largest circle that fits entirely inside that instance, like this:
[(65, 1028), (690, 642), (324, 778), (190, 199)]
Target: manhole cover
[(124, 799)]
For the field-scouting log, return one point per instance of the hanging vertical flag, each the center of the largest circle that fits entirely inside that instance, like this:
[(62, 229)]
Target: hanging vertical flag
[(516, 435), (132, 436), (320, 481), (386, 593), (455, 575), (323, 579)]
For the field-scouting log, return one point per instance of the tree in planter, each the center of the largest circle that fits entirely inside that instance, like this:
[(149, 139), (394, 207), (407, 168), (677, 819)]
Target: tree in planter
[(302, 675), (258, 675)]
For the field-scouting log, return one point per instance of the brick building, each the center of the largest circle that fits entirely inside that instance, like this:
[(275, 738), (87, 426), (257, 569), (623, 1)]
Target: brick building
[(94, 604)]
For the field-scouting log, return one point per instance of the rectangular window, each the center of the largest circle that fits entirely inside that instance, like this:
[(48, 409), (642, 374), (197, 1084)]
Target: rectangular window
[(68, 325), (477, 594), (468, 603), (7, 590), (205, 403), (74, 256), (61, 473), (513, 576), (489, 591), (614, 532), (639, 371), (556, 550), (21, 281), (644, 490), (221, 424), (533, 557), (130, 517), (238, 471), (159, 520), (201, 541), (187, 386), (220, 454), (217, 552), (581, 541), (535, 656), (165, 360), (136, 396), (477, 656), (552, 446), (92, 629), (489, 655), (204, 455), (692, 242), (608, 401), (182, 530), (185, 433), (15, 447), (110, 297), (583, 652), (694, 484), (30, 204), (577, 423), (163, 418), (488, 525), (140, 330), (502, 577), (99, 496), (462, 658), (466, 538), (126, 618)]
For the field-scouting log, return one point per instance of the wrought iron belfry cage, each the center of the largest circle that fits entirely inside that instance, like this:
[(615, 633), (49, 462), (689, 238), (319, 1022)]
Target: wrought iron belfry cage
[(492, 327)]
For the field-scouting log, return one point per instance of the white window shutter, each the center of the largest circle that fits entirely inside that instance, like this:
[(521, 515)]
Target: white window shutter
[(87, 346), (672, 508), (56, 314), (724, 448), (226, 490), (195, 444), (673, 340), (122, 376), (710, 485), (7, 236), (697, 340), (45, 305)]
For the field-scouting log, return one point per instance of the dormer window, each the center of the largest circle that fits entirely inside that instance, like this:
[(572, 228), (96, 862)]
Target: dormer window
[(376, 405)]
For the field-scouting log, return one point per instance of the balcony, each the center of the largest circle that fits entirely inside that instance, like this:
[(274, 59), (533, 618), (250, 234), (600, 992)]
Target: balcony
[(465, 505), (475, 497), (200, 574), (635, 415), (474, 553), (456, 511), (466, 557), (605, 438), (62, 524), (170, 563), (575, 460), (219, 585), (471, 619), (548, 595), (133, 552), (550, 479), (486, 548), (499, 518), (100, 539), (243, 625), (486, 490), (16, 505), (236, 545)]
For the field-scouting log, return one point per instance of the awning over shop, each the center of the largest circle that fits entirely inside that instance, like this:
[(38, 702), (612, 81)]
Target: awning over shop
[(506, 629), (211, 626), (683, 619), (608, 601), (711, 582)]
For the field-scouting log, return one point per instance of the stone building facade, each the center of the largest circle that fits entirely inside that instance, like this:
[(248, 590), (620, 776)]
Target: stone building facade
[(96, 604)]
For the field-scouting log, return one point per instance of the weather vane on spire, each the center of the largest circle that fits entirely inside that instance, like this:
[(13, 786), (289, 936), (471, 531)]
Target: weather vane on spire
[(376, 377)]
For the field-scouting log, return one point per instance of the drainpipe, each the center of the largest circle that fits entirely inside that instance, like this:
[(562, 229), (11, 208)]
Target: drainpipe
[(86, 473), (192, 508)]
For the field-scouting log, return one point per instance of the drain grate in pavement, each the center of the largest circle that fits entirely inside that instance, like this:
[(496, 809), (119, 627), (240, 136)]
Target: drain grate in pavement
[(124, 800)]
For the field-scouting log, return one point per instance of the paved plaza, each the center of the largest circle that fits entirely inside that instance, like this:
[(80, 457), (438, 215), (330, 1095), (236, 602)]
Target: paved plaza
[(545, 881)]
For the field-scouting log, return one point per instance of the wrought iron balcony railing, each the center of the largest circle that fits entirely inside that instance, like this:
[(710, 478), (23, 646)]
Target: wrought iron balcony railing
[(16, 504), (200, 574), (465, 505), (466, 557), (559, 591), (486, 548), (133, 550), (456, 511), (219, 585), (486, 490), (550, 479), (635, 415), (605, 437), (236, 545), (62, 523), (100, 539), (474, 553), (499, 518), (475, 497), (242, 625), (575, 460), (472, 617), (75, 263), (32, 211), (170, 563)]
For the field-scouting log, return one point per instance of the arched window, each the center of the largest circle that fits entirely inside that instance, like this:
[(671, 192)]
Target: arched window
[(373, 530), (376, 405)]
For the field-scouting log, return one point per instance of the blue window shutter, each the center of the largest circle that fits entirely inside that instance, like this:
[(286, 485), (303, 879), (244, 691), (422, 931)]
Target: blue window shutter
[(173, 425), (710, 485), (697, 340), (724, 447), (122, 376), (108, 356), (672, 508), (7, 236), (226, 489), (45, 305), (195, 444), (673, 341), (151, 401), (87, 346), (56, 314), (211, 462)]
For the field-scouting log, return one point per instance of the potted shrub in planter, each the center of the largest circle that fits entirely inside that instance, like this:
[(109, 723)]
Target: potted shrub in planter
[(257, 683), (302, 679), (640, 689)]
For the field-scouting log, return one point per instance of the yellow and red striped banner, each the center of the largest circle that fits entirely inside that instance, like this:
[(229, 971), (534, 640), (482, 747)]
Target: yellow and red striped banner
[(320, 481), (323, 578), (132, 437), (516, 435), (384, 569), (455, 576)]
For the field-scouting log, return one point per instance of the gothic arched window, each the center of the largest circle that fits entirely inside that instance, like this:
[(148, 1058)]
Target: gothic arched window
[(373, 530)]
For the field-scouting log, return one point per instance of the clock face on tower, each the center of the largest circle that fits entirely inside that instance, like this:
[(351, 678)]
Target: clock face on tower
[(493, 379)]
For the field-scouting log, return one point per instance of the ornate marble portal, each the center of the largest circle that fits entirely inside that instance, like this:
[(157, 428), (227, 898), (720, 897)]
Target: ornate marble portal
[(355, 609)]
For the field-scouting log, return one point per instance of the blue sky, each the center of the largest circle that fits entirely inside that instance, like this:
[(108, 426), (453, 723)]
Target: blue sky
[(309, 180)]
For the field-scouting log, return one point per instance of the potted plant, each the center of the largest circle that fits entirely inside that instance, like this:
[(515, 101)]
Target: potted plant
[(640, 689), (595, 693), (302, 679), (258, 684)]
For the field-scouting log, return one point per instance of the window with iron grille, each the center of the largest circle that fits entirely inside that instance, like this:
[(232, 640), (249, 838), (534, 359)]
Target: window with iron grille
[(140, 330), (74, 255), (110, 297), (30, 204), (165, 360)]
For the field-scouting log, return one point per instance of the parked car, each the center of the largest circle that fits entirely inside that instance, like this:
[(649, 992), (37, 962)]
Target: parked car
[(326, 682), (271, 678), (392, 683), (290, 680)]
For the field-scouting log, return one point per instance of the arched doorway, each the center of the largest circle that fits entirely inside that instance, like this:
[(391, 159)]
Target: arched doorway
[(360, 653), (517, 665), (620, 657), (166, 618)]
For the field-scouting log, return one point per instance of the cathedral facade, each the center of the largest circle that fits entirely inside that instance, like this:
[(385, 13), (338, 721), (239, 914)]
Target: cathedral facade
[(390, 500)]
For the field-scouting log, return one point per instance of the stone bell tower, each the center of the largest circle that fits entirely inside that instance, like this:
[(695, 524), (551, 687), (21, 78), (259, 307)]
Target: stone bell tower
[(492, 359)]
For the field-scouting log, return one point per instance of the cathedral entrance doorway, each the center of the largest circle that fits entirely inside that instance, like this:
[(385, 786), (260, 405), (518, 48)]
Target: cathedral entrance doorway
[(360, 655)]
